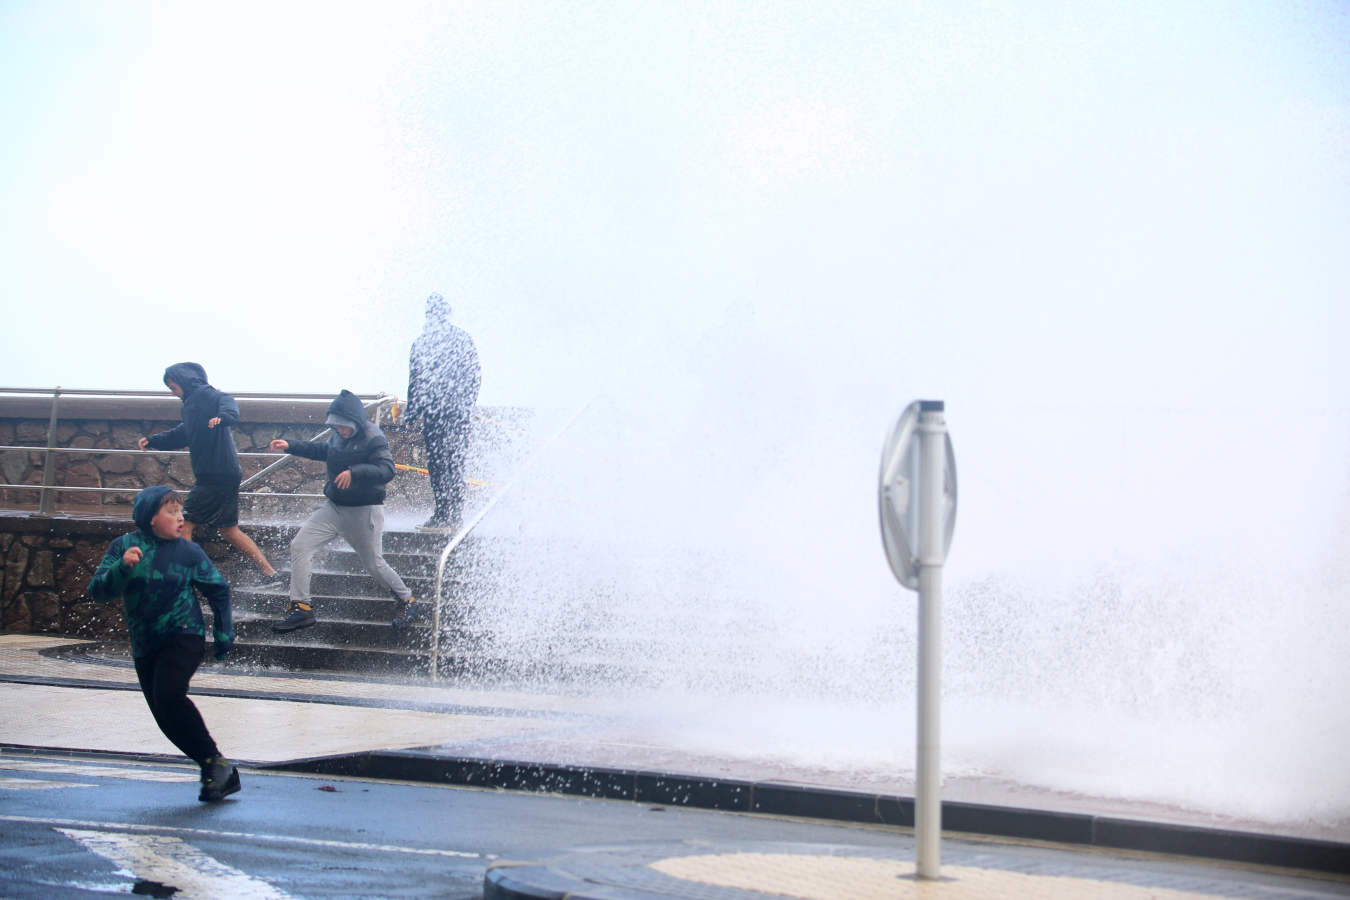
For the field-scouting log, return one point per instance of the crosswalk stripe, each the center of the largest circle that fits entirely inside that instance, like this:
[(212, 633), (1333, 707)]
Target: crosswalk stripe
[(256, 838), (33, 784), (95, 771), (171, 861)]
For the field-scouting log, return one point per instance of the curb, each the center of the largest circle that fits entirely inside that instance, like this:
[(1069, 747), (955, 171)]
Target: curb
[(800, 801)]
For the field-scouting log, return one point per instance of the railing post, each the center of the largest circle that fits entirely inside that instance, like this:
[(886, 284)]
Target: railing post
[(47, 497)]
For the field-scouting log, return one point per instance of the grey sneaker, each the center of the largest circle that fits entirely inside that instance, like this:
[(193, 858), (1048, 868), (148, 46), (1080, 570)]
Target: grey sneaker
[(298, 618), (219, 779)]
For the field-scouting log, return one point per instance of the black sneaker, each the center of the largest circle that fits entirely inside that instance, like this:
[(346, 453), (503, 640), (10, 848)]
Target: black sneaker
[(298, 618), (410, 612), (219, 779)]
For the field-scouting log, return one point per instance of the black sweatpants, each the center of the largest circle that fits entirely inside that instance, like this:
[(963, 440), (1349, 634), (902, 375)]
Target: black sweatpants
[(164, 677)]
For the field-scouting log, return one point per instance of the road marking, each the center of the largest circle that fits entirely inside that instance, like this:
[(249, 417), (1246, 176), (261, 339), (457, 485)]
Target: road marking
[(95, 771), (269, 838), (33, 784), (170, 861)]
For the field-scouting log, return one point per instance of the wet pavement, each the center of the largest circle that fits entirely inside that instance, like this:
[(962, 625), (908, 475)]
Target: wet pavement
[(384, 728)]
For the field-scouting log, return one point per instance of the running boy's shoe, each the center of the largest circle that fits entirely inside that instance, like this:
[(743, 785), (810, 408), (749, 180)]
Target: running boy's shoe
[(219, 779), (300, 617), (274, 582), (408, 613)]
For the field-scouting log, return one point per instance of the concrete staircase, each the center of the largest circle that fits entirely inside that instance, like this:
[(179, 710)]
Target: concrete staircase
[(353, 633)]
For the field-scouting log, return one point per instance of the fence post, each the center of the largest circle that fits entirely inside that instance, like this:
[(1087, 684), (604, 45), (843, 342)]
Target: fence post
[(47, 498)]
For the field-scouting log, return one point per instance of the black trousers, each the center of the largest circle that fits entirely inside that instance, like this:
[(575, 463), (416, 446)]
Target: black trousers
[(164, 677), (447, 441)]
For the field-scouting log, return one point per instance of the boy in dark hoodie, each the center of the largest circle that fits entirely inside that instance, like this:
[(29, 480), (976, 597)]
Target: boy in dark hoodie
[(359, 466), (155, 572), (205, 431)]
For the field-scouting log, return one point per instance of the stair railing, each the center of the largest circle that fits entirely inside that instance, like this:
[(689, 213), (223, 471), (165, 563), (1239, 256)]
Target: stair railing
[(471, 524), (48, 490)]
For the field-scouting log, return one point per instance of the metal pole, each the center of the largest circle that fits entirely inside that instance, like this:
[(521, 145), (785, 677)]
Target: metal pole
[(47, 498), (932, 428)]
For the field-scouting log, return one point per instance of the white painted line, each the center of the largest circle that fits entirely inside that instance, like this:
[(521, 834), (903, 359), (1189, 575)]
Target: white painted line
[(170, 861), (33, 784), (96, 771), (268, 838)]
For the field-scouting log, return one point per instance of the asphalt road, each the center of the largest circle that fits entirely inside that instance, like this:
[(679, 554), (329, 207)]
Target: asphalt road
[(76, 827)]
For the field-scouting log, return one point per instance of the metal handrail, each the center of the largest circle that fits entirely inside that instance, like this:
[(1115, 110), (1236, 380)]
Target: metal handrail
[(120, 450), (248, 395), (378, 403), (47, 490), (463, 532), (130, 490)]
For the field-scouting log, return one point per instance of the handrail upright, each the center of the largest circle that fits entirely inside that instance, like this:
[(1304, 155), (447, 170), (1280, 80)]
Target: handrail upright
[(47, 497)]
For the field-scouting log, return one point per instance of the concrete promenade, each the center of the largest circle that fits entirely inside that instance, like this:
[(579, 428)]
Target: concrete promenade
[(567, 744)]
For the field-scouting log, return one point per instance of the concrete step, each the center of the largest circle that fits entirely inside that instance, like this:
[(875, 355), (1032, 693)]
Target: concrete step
[(407, 565), (319, 657), (351, 633), (249, 605), (322, 583)]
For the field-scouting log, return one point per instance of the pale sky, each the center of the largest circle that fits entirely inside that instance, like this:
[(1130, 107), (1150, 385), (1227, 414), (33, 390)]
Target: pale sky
[(1037, 189)]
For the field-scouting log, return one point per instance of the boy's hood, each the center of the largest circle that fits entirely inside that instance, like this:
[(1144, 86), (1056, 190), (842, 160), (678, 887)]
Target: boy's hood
[(147, 501), (348, 407), (189, 376)]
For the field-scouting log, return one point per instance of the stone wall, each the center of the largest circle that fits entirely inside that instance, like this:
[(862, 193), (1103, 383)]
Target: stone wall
[(136, 470), (47, 564), (48, 560)]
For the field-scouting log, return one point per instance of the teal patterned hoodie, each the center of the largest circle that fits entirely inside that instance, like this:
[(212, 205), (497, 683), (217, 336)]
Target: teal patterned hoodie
[(157, 595)]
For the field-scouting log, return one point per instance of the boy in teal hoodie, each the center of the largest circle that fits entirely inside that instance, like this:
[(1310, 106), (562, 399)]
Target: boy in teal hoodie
[(155, 571)]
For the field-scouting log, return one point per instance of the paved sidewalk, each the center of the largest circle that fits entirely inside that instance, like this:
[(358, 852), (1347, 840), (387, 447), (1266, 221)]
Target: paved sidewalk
[(256, 719), (970, 870), (569, 744)]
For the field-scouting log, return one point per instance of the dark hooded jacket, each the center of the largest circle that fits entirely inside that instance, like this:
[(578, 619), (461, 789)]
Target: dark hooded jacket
[(214, 457), (443, 371), (158, 595), (365, 453)]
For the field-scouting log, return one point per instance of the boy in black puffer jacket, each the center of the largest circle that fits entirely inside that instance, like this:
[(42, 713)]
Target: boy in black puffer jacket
[(155, 572), (359, 466)]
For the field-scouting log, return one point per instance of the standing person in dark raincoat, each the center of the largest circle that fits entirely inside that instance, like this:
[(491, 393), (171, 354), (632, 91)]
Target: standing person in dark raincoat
[(213, 501), (443, 381)]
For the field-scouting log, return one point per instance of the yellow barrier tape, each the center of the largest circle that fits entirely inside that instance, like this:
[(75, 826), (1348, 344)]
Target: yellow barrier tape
[(476, 482)]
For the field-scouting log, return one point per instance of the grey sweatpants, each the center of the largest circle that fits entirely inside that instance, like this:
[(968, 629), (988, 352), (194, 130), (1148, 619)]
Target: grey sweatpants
[(360, 526)]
